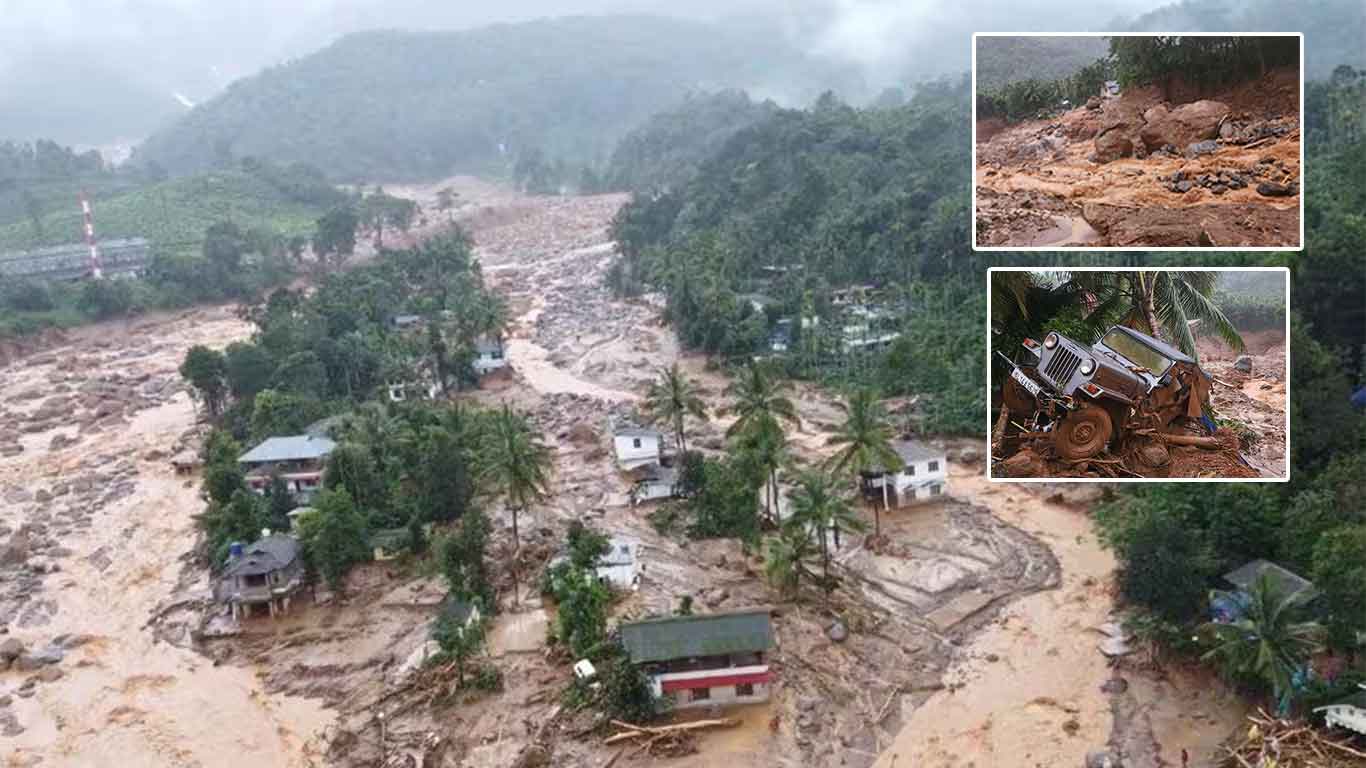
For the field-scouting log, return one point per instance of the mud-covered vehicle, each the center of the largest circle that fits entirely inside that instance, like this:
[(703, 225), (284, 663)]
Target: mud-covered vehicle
[(1087, 399)]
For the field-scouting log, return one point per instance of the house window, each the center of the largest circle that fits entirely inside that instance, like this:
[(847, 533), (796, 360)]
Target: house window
[(701, 694), (744, 689), (934, 466), (910, 470), (635, 443), (936, 489)]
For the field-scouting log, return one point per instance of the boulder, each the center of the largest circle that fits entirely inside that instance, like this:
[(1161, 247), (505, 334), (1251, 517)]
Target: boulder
[(1198, 148), (11, 649), (1184, 125), (1243, 363), (1103, 758), (837, 631), (1112, 145), (1273, 189)]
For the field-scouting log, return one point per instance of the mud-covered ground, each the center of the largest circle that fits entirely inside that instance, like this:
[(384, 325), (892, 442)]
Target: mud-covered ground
[(1138, 170), (96, 579)]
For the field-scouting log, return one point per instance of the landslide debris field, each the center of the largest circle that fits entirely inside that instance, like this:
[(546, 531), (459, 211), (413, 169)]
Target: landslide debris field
[(1137, 170), (106, 612), (1249, 403)]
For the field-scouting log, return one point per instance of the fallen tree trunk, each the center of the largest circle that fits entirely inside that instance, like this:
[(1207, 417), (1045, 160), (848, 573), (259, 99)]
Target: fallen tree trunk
[(641, 731), (1195, 440)]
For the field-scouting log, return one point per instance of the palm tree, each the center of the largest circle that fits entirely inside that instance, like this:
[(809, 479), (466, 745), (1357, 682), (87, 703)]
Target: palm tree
[(765, 445), (759, 397), (866, 444), (1163, 304), (785, 560), (1269, 643), (819, 507), (672, 398), (518, 465)]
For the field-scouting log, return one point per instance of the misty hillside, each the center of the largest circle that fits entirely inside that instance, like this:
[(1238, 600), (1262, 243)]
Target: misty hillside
[(1332, 29), (423, 104), (1003, 60)]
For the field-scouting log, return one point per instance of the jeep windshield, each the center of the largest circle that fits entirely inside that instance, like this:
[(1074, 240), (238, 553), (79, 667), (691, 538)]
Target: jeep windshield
[(1137, 352)]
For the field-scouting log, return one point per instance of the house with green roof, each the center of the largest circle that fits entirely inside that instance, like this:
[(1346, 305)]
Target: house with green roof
[(704, 660)]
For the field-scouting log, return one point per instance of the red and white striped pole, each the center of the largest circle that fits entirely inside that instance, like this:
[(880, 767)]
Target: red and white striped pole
[(96, 271)]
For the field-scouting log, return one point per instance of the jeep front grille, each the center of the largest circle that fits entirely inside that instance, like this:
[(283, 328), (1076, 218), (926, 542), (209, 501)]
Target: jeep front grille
[(1062, 366)]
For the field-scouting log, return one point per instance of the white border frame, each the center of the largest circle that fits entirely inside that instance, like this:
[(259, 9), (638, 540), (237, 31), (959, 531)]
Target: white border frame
[(1285, 272), (973, 174)]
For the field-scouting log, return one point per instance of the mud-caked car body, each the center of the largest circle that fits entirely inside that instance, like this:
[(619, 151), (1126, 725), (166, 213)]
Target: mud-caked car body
[(1089, 397)]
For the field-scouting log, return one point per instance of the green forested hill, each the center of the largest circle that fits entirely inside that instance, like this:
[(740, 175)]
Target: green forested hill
[(423, 104), (666, 151), (1004, 60), (1332, 28)]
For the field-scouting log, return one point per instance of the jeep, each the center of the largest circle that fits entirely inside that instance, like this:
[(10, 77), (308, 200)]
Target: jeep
[(1090, 398)]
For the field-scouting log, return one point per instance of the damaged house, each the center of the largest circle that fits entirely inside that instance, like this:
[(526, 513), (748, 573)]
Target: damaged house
[(266, 572), (489, 355), (653, 482), (299, 460), (923, 476), (636, 447), (702, 661)]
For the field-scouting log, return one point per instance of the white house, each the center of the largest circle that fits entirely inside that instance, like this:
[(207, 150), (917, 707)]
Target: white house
[(619, 567), (704, 661), (489, 355), (636, 447), (655, 482), (923, 476)]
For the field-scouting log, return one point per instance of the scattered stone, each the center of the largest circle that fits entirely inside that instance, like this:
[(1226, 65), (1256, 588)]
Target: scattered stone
[(1115, 685), (1103, 758), (49, 674), (1113, 144), (11, 649), (837, 631), (1198, 148), (1243, 364), (1274, 189)]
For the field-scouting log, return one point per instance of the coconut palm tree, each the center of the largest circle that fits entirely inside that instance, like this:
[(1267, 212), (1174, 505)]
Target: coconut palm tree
[(1270, 643), (517, 464), (759, 397), (672, 398), (819, 506), (865, 440), (765, 445), (785, 561), (1163, 304)]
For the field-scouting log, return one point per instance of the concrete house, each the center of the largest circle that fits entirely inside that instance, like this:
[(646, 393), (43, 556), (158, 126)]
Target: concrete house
[(654, 481), (489, 355), (924, 475), (620, 567), (703, 661), (298, 458), (636, 447), (267, 572)]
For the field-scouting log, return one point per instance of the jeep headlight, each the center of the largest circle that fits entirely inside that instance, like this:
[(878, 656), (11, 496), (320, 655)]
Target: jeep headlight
[(1050, 341), (1088, 367)]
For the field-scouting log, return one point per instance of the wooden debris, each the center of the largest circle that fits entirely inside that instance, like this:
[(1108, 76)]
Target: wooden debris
[(673, 740), (1290, 744)]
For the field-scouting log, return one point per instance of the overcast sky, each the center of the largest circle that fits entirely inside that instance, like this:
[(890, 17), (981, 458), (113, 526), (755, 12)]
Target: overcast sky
[(61, 60)]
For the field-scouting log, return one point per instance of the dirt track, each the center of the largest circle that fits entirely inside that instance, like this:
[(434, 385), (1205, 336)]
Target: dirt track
[(1041, 182)]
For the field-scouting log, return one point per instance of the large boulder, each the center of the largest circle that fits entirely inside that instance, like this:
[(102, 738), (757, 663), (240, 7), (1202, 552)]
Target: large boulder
[(1184, 125), (1113, 144), (11, 649)]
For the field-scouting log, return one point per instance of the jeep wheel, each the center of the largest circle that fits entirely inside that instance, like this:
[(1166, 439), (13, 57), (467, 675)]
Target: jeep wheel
[(1084, 433)]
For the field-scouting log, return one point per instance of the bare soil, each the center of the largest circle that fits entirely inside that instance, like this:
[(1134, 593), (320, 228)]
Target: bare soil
[(1044, 182)]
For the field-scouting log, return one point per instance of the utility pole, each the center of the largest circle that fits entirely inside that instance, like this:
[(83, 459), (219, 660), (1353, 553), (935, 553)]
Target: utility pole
[(96, 271)]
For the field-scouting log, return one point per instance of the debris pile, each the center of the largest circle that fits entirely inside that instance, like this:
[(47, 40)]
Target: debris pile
[(1271, 741)]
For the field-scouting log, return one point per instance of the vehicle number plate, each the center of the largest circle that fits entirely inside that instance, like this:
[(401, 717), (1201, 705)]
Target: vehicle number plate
[(1026, 382)]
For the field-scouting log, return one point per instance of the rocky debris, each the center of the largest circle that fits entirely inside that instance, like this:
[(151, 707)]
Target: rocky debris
[(1115, 684), (11, 649), (837, 631), (1243, 364), (1103, 758), (1112, 144), (30, 661), (1201, 148), (1184, 125), (1275, 189), (1192, 226), (1217, 181)]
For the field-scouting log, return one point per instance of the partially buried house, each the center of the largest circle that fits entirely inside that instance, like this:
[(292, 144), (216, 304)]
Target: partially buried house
[(266, 572), (705, 660), (923, 475), (299, 459)]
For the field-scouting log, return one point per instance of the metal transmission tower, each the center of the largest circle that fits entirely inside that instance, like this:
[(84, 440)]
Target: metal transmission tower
[(96, 271)]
